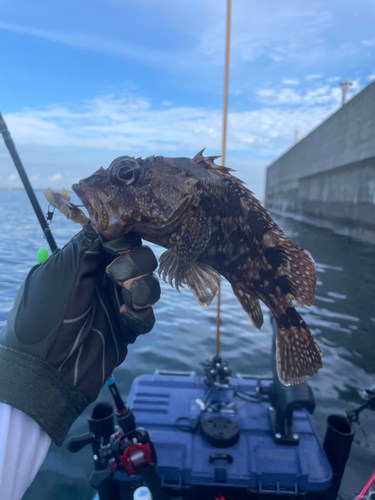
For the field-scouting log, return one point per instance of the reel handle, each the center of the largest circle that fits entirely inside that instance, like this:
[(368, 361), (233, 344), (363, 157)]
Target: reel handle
[(76, 443)]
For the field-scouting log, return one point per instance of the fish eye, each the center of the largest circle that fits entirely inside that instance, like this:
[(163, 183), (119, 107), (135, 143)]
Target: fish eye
[(125, 170), (125, 174)]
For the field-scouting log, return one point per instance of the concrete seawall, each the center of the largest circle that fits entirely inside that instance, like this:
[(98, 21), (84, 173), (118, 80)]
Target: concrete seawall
[(328, 177)]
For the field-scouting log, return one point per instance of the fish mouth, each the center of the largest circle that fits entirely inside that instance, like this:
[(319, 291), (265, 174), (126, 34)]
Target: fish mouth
[(81, 195), (93, 204)]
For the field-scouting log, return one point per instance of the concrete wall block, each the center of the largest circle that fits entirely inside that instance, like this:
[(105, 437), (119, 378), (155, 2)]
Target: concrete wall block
[(342, 198)]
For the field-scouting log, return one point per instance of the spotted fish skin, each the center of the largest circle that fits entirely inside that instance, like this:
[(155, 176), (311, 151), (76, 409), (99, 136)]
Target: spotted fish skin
[(212, 225)]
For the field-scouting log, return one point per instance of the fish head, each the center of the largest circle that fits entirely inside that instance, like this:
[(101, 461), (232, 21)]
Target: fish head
[(150, 196)]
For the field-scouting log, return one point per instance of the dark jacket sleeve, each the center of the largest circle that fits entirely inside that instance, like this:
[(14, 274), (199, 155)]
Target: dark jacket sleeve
[(28, 381)]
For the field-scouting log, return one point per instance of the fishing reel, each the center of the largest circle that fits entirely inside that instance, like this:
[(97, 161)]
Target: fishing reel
[(123, 450), (118, 451), (127, 453)]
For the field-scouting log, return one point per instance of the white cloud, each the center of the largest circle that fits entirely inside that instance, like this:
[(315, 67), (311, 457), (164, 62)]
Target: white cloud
[(356, 85), (289, 81), (74, 142), (323, 95), (333, 79), (131, 125), (353, 89), (268, 32), (13, 176), (371, 77), (55, 178), (167, 103), (313, 77), (369, 43), (276, 97)]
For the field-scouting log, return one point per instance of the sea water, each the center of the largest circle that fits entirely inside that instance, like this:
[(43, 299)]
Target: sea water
[(342, 320)]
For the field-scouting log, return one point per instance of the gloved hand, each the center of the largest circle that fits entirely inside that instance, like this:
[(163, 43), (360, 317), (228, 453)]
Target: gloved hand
[(70, 325)]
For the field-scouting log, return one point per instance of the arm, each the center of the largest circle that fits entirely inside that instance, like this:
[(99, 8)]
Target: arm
[(70, 326), (24, 443)]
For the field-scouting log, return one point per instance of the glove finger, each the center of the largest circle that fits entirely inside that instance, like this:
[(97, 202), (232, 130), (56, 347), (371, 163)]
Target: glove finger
[(131, 322), (122, 245), (142, 292), (139, 322), (137, 262)]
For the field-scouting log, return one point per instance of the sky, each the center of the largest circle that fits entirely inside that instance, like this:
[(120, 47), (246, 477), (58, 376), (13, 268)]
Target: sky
[(84, 82)]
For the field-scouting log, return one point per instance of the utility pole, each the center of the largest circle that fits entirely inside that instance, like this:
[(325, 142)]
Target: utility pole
[(344, 87)]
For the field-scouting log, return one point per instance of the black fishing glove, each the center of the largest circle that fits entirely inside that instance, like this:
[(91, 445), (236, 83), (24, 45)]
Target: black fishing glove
[(70, 325)]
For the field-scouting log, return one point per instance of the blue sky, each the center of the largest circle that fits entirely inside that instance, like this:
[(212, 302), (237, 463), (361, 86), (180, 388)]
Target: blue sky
[(84, 82)]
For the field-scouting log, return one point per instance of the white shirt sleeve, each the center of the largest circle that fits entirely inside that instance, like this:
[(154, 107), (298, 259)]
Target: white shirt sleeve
[(23, 448)]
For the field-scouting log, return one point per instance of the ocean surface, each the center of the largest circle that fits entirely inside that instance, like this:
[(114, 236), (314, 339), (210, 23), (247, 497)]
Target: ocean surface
[(342, 320)]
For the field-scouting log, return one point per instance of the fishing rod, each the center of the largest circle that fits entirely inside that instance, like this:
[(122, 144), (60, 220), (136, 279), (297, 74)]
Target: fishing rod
[(26, 183), (223, 143)]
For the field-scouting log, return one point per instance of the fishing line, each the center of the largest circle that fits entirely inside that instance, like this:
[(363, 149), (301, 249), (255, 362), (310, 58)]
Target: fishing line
[(223, 143)]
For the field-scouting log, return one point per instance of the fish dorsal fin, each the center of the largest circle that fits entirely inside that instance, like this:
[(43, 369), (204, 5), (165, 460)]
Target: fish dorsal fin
[(208, 162), (248, 200)]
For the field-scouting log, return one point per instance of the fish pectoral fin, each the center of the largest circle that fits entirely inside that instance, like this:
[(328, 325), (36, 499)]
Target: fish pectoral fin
[(251, 306), (172, 267), (203, 281), (193, 239)]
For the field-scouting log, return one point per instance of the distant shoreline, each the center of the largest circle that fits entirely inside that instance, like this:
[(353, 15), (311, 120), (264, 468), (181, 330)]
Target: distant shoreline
[(6, 188)]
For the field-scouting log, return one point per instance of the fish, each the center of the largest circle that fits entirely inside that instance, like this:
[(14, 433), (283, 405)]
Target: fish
[(211, 226)]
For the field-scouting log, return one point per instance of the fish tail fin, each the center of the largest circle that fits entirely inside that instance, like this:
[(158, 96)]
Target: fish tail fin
[(297, 355)]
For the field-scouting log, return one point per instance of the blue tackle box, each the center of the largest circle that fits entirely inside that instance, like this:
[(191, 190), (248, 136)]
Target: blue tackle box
[(255, 462)]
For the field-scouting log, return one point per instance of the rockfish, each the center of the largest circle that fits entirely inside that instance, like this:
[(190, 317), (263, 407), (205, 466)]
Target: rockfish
[(212, 225)]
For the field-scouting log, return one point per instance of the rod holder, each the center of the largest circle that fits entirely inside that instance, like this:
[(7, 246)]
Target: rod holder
[(337, 444), (101, 424)]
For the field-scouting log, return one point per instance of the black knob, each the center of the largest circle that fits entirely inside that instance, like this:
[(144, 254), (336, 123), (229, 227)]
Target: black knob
[(76, 443)]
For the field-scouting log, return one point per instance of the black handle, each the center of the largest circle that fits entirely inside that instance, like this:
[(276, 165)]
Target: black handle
[(98, 477), (76, 443), (221, 456)]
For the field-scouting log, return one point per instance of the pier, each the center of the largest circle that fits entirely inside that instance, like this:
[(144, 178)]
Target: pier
[(328, 177)]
